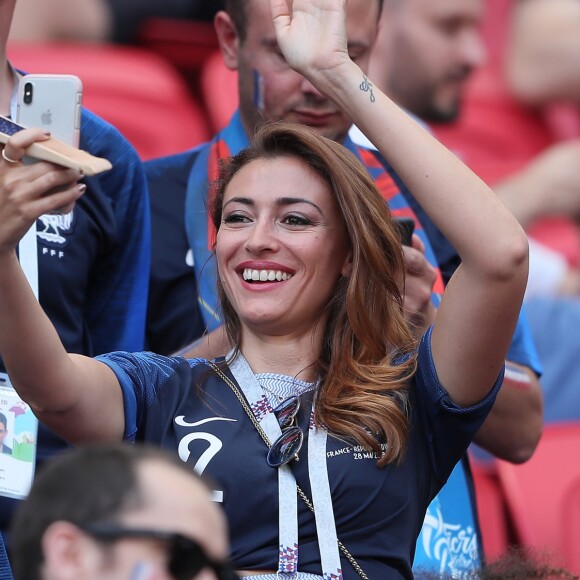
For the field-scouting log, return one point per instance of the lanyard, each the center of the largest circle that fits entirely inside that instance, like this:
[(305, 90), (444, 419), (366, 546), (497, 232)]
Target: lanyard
[(288, 499)]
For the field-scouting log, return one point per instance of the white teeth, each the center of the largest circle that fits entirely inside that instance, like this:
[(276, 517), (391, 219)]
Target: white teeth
[(265, 275)]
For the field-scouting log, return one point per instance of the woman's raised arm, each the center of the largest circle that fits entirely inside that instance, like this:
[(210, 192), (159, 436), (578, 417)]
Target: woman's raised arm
[(478, 314), (78, 397)]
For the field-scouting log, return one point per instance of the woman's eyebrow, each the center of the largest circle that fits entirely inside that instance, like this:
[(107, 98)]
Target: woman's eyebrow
[(242, 200), (294, 200)]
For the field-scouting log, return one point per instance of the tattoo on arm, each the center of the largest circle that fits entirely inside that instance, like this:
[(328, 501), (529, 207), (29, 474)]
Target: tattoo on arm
[(367, 87)]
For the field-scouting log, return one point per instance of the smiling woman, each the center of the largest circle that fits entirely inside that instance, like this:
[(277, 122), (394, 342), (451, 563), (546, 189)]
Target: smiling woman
[(304, 207), (327, 427), (280, 236)]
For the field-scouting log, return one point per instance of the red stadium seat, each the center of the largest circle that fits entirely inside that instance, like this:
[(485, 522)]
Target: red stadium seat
[(543, 496), (491, 511), (184, 43), (134, 89), (219, 89)]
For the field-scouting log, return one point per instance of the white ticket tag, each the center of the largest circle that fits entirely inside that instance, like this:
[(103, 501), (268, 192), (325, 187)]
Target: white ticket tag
[(18, 440)]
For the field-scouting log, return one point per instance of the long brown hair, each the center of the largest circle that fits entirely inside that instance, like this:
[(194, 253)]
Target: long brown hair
[(363, 394)]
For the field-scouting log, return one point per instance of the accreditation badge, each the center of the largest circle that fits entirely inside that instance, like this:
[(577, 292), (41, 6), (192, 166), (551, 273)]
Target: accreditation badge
[(18, 440)]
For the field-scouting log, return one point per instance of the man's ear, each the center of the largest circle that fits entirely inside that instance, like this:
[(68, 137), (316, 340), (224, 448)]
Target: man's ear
[(66, 551), (228, 39)]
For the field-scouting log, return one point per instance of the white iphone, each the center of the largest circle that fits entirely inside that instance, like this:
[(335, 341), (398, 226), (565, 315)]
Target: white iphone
[(53, 103)]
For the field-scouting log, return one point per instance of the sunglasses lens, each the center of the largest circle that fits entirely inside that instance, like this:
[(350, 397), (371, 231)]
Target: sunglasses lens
[(187, 560), (285, 447), (286, 411)]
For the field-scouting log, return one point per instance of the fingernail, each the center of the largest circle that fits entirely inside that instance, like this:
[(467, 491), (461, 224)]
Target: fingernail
[(82, 187), (47, 133)]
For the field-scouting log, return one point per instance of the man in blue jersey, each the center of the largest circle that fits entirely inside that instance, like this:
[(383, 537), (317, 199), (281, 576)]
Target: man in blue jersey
[(182, 269), (268, 89), (93, 263)]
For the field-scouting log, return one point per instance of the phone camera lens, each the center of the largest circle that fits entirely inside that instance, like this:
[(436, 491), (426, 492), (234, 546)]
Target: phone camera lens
[(27, 98)]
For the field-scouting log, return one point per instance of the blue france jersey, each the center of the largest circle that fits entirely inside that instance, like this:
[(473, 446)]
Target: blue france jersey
[(181, 405)]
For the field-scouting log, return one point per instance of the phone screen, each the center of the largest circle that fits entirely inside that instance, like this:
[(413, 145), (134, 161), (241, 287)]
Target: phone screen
[(406, 227)]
